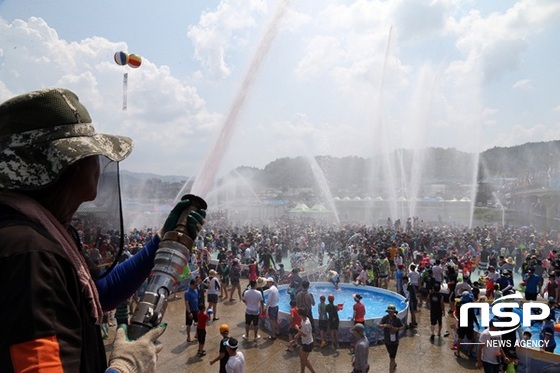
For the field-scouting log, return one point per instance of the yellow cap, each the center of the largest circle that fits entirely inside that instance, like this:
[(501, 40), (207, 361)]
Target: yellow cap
[(224, 328)]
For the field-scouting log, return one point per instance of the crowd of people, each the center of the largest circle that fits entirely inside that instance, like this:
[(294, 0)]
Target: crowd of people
[(52, 162), (430, 265)]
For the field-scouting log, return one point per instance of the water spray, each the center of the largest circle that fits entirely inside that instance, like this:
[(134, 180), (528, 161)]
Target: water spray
[(171, 258)]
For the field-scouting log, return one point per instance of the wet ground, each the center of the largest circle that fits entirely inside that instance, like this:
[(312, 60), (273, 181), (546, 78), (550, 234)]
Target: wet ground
[(416, 352)]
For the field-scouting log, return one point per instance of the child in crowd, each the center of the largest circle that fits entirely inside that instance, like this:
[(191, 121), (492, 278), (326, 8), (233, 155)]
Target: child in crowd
[(295, 324), (323, 320), (399, 279), (201, 329), (281, 273), (333, 320)]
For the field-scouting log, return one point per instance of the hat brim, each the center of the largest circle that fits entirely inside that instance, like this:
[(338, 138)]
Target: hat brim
[(29, 168)]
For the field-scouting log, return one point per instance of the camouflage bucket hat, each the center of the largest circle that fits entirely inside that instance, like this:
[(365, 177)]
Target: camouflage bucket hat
[(44, 132)]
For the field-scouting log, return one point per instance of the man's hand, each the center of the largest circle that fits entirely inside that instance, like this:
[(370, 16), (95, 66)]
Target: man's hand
[(137, 356)]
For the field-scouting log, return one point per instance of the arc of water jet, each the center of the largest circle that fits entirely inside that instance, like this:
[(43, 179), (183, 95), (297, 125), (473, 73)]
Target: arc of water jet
[(387, 164), (207, 175)]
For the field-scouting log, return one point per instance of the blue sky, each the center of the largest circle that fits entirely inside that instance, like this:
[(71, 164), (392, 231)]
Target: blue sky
[(340, 77)]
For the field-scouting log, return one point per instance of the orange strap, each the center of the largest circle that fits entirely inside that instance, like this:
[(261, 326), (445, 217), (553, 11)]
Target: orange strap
[(38, 356)]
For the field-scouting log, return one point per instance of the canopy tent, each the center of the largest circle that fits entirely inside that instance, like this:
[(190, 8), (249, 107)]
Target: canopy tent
[(302, 207)]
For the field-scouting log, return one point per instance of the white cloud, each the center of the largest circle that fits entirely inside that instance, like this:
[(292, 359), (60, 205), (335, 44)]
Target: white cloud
[(524, 84), (220, 31), (520, 134), (497, 41), (164, 115)]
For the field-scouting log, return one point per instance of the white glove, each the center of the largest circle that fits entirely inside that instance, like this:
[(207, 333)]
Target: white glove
[(137, 356)]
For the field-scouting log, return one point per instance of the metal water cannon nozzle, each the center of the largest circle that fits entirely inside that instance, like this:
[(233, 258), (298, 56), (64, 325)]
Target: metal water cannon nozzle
[(171, 258)]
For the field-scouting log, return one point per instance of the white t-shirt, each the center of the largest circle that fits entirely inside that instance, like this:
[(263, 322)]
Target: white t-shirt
[(236, 363), (489, 353), (253, 299), (273, 296), (437, 272), (307, 332), (213, 285), (414, 278)]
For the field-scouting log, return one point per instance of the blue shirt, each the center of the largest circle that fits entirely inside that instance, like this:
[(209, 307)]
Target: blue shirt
[(548, 329), (532, 284), (191, 296)]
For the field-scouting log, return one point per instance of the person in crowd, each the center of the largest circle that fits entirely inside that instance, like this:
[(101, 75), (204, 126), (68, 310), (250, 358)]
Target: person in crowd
[(506, 283), (235, 278), (295, 283), (410, 295), (463, 286), (254, 304), (490, 355), (52, 160), (360, 363), (333, 320), (491, 278), (451, 275), (223, 354), (399, 274), (551, 289), (414, 278), (267, 261), (295, 325), (361, 279), (191, 307), (359, 310), (334, 278), (323, 320), (306, 335), (272, 308), (468, 330), (236, 360), (224, 273), (428, 283), (202, 321), (281, 273), (214, 287), (391, 326), (201, 287), (437, 271), (253, 269), (437, 309), (533, 285), (547, 333), (383, 270), (305, 300)]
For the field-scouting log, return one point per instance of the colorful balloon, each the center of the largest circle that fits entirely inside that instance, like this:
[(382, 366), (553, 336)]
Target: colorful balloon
[(134, 61), (121, 58)]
